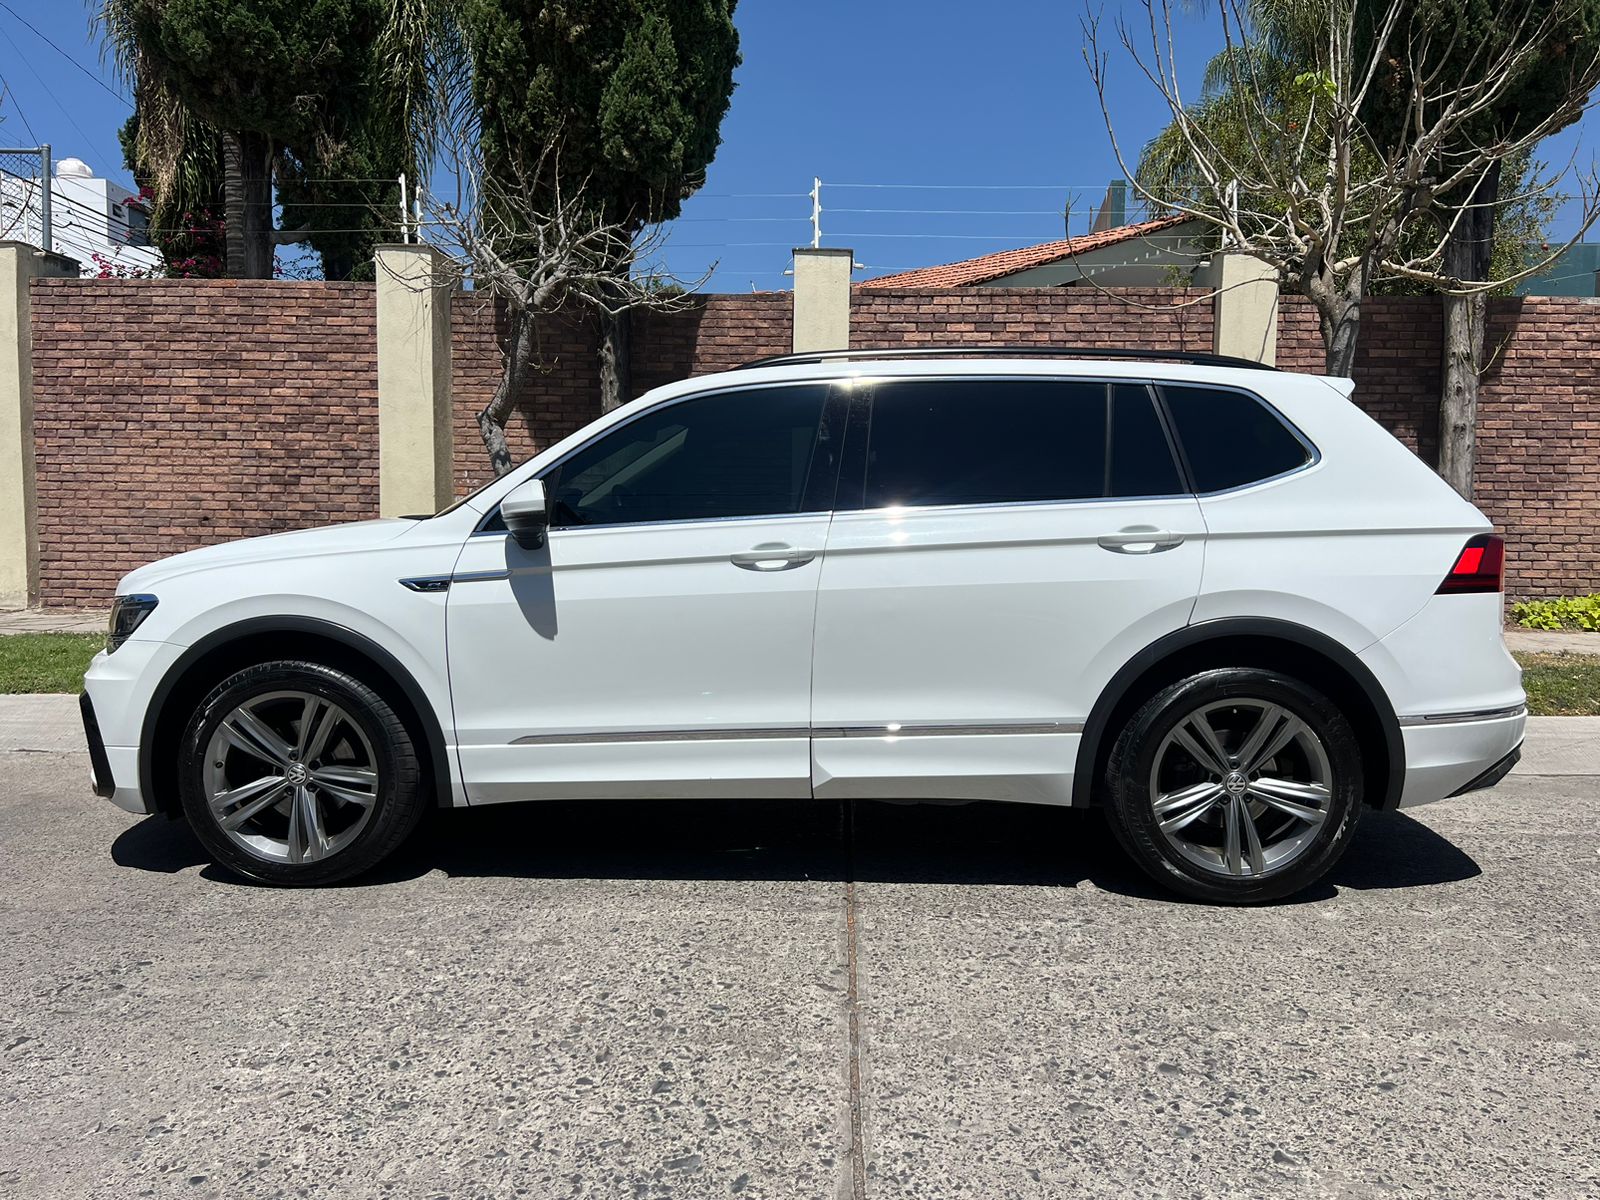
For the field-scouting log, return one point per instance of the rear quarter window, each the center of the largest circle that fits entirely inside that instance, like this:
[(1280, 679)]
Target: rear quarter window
[(1231, 438)]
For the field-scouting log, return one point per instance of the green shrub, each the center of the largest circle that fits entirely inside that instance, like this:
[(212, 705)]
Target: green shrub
[(1565, 612)]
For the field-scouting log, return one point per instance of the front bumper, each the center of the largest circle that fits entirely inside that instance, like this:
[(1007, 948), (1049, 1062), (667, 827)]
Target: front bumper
[(100, 778), (117, 694)]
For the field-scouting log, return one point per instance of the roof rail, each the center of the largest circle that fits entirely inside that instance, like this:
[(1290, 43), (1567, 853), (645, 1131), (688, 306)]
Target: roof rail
[(1195, 357)]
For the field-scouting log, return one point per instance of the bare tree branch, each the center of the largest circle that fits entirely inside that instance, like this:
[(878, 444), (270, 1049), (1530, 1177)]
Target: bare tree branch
[(526, 236), (1313, 191)]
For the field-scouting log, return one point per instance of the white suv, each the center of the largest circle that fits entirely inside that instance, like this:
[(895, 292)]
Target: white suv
[(1215, 599)]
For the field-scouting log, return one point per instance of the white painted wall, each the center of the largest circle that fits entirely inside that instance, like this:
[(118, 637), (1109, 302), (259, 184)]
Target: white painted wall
[(1176, 255)]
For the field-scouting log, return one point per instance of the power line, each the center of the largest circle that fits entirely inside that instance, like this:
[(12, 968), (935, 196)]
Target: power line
[(5, 90), (955, 212), (969, 187), (947, 237), (103, 84), (87, 140)]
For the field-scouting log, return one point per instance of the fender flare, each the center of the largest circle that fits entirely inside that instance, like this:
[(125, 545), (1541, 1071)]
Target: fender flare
[(432, 732), (1190, 636)]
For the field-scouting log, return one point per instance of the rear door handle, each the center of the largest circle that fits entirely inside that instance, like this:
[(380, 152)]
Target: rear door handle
[(772, 556), (1140, 539)]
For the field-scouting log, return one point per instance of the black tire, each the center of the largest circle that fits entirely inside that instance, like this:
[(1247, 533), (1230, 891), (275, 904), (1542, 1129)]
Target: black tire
[(1316, 846), (400, 793)]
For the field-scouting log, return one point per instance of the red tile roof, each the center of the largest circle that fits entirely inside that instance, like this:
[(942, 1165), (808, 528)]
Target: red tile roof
[(1008, 262)]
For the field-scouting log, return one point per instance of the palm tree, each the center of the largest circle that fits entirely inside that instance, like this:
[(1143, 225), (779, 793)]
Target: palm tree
[(388, 125)]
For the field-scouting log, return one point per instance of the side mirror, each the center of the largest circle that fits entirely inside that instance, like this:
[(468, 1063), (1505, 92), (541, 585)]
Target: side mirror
[(525, 514)]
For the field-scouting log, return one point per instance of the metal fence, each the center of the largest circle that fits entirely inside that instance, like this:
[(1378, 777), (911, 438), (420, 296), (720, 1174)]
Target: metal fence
[(25, 214)]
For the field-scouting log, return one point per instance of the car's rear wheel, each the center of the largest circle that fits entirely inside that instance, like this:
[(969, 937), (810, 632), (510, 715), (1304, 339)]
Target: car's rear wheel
[(297, 773), (1236, 785)]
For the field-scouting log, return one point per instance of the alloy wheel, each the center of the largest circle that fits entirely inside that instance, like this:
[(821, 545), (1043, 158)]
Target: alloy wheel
[(1241, 787), (290, 777)]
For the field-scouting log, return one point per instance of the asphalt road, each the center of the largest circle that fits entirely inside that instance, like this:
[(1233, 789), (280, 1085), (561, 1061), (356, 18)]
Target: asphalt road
[(707, 1000)]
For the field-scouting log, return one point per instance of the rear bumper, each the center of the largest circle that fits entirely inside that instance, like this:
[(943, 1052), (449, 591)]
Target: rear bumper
[(1450, 757), (1493, 775)]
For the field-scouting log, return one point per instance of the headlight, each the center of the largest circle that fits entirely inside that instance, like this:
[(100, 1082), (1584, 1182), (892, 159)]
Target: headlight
[(127, 614)]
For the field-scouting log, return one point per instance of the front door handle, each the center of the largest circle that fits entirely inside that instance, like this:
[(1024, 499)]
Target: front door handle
[(1140, 539), (772, 556)]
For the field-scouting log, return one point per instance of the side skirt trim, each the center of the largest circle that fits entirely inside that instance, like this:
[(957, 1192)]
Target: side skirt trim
[(930, 729)]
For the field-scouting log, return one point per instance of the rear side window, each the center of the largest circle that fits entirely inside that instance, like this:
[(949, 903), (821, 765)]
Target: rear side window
[(987, 441), (1231, 438)]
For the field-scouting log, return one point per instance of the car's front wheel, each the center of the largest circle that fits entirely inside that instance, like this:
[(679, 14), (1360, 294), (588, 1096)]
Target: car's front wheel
[(297, 773), (1236, 785)]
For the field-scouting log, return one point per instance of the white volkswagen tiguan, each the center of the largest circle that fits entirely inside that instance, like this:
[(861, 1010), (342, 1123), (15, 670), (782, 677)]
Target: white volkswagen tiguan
[(1216, 600)]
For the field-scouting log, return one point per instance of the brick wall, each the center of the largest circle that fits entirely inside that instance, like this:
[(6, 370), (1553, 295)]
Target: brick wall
[(563, 394), (172, 414), (1152, 318), (1397, 362), (1538, 464)]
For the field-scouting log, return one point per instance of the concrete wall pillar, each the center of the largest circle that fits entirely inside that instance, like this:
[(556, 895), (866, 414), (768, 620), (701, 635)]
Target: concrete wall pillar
[(415, 422), (1246, 308), (822, 298), (20, 264)]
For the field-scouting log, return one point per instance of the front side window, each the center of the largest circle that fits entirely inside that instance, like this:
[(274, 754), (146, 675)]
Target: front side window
[(988, 441), (731, 454)]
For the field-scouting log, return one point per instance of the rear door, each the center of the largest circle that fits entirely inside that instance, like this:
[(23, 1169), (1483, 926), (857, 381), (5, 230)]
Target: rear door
[(1000, 549)]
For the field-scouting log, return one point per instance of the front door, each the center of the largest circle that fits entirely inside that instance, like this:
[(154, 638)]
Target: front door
[(659, 644), (1012, 543)]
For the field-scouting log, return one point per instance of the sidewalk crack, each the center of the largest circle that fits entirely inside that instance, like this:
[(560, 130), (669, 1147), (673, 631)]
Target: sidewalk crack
[(858, 1157)]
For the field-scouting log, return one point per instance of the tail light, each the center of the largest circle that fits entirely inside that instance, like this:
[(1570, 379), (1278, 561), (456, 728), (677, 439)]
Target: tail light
[(1479, 567)]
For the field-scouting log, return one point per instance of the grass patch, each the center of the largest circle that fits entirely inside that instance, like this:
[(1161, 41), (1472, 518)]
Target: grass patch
[(46, 662), (1558, 685), (1561, 685)]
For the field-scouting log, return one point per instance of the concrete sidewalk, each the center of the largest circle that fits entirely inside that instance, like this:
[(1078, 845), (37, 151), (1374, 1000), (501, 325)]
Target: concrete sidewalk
[(1552, 641), (53, 620)]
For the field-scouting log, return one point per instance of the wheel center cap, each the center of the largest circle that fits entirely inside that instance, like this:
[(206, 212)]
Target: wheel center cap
[(1235, 783), (297, 774)]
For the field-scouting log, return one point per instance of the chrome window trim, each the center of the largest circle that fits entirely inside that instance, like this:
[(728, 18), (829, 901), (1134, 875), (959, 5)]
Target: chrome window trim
[(1010, 504), (1464, 718), (568, 530)]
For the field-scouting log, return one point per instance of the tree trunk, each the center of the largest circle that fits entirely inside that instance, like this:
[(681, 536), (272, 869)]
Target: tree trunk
[(1340, 312), (517, 355), (616, 342), (1466, 259), (247, 189)]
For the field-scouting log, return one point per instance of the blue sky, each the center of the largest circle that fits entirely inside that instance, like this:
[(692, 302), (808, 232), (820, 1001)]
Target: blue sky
[(986, 107)]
